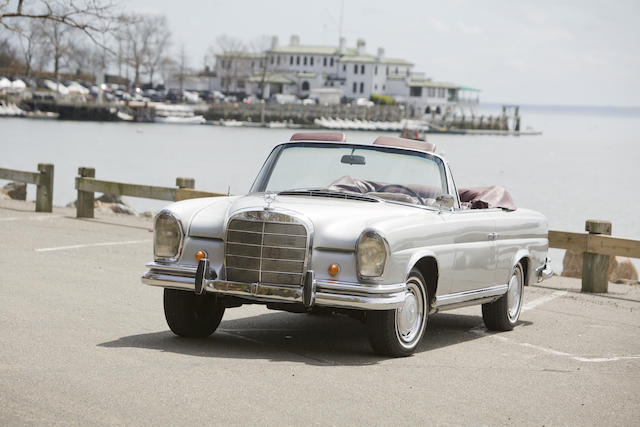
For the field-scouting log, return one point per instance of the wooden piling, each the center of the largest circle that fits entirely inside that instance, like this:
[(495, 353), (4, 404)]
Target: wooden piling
[(44, 192), (595, 267), (84, 205), (182, 182)]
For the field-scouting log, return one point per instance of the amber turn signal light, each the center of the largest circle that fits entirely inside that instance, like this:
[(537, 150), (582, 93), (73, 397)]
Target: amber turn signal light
[(200, 255), (334, 269)]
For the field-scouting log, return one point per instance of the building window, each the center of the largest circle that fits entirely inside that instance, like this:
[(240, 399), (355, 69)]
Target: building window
[(431, 92), (305, 60), (375, 70), (312, 60), (331, 62), (355, 87), (344, 67), (253, 64), (305, 85), (331, 84), (297, 60), (361, 87), (384, 87), (324, 62), (355, 68), (408, 72), (415, 91), (272, 60), (362, 69), (291, 60), (278, 60), (396, 70), (375, 87), (387, 71)]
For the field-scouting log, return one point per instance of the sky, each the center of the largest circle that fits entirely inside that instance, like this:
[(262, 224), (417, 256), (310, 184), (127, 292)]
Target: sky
[(529, 52)]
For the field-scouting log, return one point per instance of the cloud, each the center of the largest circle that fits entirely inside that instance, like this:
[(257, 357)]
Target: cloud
[(468, 28)]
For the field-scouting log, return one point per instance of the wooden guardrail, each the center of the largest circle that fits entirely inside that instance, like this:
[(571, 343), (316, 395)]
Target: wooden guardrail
[(87, 185), (597, 246), (43, 179)]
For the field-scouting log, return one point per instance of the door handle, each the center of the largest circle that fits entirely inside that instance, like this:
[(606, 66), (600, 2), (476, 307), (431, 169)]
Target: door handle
[(492, 236)]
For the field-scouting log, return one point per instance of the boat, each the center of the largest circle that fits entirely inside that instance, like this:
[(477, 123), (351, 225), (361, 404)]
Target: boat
[(177, 114)]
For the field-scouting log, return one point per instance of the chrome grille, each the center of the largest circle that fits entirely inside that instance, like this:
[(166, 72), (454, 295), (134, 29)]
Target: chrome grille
[(266, 247)]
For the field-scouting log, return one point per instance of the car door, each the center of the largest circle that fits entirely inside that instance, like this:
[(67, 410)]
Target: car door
[(472, 235)]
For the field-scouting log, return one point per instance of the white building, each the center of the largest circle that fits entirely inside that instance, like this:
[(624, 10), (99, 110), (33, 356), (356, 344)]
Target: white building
[(298, 69)]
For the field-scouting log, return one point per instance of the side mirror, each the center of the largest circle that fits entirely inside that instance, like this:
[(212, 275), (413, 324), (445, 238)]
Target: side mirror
[(445, 201)]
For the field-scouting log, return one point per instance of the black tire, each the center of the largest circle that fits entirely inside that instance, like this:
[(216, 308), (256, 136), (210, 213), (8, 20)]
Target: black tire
[(497, 315), (384, 334), (191, 315)]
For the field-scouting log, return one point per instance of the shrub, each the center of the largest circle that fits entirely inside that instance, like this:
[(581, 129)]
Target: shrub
[(382, 99)]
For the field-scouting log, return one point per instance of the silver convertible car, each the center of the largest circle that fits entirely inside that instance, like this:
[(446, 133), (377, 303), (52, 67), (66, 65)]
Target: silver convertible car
[(378, 230)]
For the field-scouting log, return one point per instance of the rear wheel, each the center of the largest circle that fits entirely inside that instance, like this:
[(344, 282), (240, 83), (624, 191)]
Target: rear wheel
[(398, 332), (191, 315), (503, 314)]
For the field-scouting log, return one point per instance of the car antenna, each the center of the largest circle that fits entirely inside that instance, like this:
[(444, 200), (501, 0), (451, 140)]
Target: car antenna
[(228, 191)]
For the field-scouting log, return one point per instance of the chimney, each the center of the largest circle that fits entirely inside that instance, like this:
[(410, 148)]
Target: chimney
[(341, 47), (274, 42), (360, 47), (295, 40), (380, 54)]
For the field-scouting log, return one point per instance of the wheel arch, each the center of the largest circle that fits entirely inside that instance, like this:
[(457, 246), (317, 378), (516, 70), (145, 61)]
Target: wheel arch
[(427, 265), (522, 257)]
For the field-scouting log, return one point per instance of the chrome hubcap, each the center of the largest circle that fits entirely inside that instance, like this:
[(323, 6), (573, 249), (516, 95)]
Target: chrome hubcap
[(409, 317), (514, 295)]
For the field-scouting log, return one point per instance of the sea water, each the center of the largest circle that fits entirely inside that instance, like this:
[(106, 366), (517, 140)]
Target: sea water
[(585, 165)]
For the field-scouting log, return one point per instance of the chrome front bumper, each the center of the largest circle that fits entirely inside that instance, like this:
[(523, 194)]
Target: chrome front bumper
[(544, 271), (323, 292)]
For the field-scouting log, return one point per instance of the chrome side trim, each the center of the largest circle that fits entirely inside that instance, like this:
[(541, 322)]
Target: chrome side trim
[(344, 287), (476, 294)]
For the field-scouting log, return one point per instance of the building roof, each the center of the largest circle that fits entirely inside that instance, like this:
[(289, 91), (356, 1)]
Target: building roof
[(307, 49), (374, 59), (470, 89), (239, 54), (430, 83), (270, 78)]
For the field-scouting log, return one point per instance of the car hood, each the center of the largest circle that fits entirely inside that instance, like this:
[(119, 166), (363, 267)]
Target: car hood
[(337, 223)]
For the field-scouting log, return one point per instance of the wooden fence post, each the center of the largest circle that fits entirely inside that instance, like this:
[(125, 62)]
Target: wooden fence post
[(595, 268), (182, 182), (84, 205), (44, 192)]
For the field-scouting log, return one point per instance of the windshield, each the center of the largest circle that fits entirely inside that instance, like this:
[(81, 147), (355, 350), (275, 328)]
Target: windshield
[(384, 172)]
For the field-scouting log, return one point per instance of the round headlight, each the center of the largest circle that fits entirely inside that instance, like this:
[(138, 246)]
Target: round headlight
[(167, 237), (372, 254)]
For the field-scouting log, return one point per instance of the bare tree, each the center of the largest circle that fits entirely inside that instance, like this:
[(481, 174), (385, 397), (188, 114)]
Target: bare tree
[(158, 43), (182, 66), (260, 46), (31, 42), (57, 38), (89, 16), (229, 51)]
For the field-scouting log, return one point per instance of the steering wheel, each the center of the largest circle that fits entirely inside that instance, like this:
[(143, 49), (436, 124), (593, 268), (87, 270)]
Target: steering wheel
[(404, 187)]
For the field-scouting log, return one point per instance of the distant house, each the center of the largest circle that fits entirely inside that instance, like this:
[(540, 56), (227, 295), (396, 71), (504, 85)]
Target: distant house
[(297, 69)]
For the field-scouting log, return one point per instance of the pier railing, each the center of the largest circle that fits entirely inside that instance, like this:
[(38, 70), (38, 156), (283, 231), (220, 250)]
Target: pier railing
[(596, 246), (43, 179), (87, 185)]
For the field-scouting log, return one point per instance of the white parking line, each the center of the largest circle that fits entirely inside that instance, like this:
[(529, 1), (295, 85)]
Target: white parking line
[(542, 300), (90, 245), (30, 218)]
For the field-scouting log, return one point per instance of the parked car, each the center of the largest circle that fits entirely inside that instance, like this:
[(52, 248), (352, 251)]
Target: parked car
[(378, 230)]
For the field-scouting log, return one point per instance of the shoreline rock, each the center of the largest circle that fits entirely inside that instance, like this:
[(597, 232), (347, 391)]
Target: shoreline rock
[(621, 269)]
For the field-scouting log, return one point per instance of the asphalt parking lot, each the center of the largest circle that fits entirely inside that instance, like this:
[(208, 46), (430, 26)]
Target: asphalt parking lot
[(82, 341)]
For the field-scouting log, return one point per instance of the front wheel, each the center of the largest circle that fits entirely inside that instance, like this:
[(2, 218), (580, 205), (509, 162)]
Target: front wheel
[(398, 332), (503, 314), (191, 315)]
